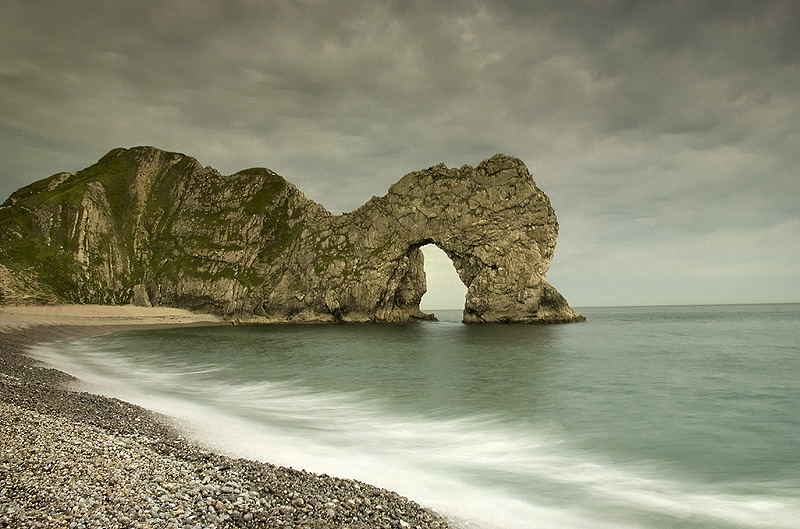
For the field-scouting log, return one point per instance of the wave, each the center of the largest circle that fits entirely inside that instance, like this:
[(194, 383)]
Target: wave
[(478, 470)]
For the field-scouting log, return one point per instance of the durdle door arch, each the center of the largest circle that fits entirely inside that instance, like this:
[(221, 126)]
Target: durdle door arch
[(498, 229), (147, 226)]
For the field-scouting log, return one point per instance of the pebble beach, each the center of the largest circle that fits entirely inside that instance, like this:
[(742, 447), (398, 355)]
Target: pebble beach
[(72, 459)]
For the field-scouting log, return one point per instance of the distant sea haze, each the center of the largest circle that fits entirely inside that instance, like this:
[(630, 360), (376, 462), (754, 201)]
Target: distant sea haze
[(639, 418)]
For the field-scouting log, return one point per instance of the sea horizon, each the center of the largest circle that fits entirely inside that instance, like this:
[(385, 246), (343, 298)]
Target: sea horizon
[(579, 307)]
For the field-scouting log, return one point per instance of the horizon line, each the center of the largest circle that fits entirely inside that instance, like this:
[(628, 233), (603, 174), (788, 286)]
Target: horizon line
[(656, 305)]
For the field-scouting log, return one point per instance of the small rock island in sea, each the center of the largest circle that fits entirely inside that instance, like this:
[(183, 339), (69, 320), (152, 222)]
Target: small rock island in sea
[(151, 227)]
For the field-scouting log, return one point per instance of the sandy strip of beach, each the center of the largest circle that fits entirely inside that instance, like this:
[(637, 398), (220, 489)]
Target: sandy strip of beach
[(24, 316), (71, 459)]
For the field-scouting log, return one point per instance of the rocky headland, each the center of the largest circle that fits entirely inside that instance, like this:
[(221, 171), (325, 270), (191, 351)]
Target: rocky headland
[(155, 228)]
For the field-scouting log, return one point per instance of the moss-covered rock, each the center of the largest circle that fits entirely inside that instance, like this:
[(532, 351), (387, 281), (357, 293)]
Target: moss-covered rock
[(153, 227)]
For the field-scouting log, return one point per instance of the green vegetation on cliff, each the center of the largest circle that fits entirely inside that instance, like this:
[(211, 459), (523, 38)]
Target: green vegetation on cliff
[(158, 227)]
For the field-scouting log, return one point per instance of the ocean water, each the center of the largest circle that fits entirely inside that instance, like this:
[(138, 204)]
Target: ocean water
[(645, 417)]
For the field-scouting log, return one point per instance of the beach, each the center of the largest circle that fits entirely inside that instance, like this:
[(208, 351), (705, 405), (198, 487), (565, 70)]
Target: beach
[(72, 459)]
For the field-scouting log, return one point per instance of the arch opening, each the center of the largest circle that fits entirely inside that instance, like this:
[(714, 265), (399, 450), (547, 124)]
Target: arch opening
[(445, 289)]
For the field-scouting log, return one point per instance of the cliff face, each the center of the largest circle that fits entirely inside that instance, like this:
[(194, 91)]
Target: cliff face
[(151, 227)]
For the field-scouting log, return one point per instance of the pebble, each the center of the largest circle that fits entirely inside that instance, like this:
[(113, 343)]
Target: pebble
[(73, 460)]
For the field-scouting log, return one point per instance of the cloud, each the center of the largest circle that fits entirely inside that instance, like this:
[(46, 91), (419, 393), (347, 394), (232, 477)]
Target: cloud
[(642, 120)]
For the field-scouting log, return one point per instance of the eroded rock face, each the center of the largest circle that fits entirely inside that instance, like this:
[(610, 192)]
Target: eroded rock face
[(154, 227)]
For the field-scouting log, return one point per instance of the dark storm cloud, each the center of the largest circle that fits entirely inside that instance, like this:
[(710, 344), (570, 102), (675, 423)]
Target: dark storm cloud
[(653, 126)]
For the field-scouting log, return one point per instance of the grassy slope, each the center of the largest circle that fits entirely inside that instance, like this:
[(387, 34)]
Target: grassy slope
[(25, 250)]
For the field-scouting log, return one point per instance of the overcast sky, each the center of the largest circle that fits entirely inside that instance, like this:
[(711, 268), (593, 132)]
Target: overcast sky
[(666, 133)]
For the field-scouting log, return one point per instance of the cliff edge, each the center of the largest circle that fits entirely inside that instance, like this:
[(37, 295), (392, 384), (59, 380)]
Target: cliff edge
[(151, 227)]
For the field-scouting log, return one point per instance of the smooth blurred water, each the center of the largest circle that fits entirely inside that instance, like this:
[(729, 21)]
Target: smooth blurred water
[(655, 417)]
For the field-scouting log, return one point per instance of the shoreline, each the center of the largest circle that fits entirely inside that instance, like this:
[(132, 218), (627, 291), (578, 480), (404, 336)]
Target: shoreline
[(72, 459)]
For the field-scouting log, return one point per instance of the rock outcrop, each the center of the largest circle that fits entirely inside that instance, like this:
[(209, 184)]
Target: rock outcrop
[(152, 227)]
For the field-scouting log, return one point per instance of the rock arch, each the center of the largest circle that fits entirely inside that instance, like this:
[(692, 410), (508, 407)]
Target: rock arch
[(498, 229), (151, 226)]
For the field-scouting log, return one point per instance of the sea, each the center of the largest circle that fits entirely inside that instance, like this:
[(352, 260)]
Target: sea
[(641, 417)]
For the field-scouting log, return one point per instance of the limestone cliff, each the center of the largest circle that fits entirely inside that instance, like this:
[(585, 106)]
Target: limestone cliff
[(152, 227)]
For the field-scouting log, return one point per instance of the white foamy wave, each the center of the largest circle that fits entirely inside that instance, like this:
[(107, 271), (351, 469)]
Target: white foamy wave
[(480, 471)]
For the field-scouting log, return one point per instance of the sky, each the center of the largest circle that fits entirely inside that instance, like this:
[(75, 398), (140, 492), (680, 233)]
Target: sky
[(666, 133)]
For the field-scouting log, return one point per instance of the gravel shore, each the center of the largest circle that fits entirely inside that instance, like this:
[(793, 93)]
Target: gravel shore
[(70, 459)]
